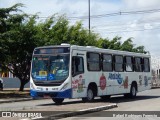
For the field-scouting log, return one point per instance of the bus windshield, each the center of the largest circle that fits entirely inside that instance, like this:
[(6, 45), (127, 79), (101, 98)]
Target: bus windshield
[(50, 68)]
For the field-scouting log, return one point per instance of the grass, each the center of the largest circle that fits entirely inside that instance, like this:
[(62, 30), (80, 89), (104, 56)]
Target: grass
[(14, 94)]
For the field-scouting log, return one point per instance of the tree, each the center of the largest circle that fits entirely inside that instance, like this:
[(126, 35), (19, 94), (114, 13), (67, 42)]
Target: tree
[(21, 33), (55, 31), (17, 42), (127, 45), (117, 44)]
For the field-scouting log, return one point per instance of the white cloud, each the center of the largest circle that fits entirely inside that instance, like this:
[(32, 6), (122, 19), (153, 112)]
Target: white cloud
[(141, 4), (104, 25), (148, 26), (8, 3)]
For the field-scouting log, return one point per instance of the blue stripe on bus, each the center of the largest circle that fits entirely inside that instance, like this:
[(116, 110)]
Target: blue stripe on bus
[(62, 94)]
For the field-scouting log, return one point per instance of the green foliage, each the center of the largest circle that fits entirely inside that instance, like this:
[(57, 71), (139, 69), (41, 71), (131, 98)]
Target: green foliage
[(117, 44), (21, 33), (17, 42), (56, 31)]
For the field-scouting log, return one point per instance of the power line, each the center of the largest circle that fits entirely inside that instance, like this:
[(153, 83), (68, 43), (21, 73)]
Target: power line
[(125, 24), (112, 14), (120, 31), (122, 22), (117, 13)]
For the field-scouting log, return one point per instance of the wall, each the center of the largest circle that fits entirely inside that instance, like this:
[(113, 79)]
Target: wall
[(12, 83)]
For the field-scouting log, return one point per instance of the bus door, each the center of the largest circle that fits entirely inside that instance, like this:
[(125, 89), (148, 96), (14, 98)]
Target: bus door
[(78, 76)]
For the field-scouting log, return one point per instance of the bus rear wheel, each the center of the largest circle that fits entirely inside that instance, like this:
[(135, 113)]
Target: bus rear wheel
[(133, 91), (90, 96), (58, 101)]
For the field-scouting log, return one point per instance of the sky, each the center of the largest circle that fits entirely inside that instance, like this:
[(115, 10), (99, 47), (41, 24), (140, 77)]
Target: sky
[(144, 27)]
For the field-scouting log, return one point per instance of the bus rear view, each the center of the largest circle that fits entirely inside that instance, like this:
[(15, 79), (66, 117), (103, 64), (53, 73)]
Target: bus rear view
[(50, 73)]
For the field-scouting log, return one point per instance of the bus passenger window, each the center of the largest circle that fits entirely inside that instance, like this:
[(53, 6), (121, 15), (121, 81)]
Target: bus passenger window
[(129, 65), (77, 65), (107, 62), (118, 63), (93, 61), (146, 65), (138, 64), (128, 68)]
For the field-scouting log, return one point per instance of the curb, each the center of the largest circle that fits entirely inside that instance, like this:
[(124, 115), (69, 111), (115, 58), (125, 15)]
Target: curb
[(16, 100), (80, 112), (155, 87), (20, 100)]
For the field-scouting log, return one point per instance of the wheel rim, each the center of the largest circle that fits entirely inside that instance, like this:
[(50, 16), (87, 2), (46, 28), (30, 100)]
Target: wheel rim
[(90, 94), (133, 91)]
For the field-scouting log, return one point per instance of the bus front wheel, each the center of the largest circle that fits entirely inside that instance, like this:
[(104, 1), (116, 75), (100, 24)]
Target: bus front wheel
[(58, 100)]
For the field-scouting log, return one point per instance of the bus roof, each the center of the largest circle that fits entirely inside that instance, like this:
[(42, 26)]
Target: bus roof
[(96, 49), (109, 51)]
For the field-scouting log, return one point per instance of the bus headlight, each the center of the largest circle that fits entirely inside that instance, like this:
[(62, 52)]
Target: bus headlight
[(64, 87), (32, 86)]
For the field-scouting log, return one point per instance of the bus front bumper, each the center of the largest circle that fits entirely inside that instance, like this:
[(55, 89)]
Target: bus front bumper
[(60, 94)]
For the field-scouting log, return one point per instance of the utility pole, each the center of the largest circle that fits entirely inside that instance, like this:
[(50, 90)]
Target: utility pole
[(89, 16)]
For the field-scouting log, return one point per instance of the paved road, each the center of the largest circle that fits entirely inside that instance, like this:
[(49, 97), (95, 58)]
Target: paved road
[(146, 101), (49, 105)]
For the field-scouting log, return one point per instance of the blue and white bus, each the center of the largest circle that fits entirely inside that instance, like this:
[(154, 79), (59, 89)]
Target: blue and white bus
[(71, 71)]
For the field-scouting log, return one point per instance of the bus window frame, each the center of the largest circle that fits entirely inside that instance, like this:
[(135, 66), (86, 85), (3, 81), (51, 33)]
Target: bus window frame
[(132, 63), (74, 73), (141, 64), (88, 63), (114, 59), (102, 57), (147, 64)]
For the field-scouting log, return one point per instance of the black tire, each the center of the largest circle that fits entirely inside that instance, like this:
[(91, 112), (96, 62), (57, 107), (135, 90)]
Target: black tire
[(90, 96), (133, 91), (58, 101), (106, 97), (1, 86)]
